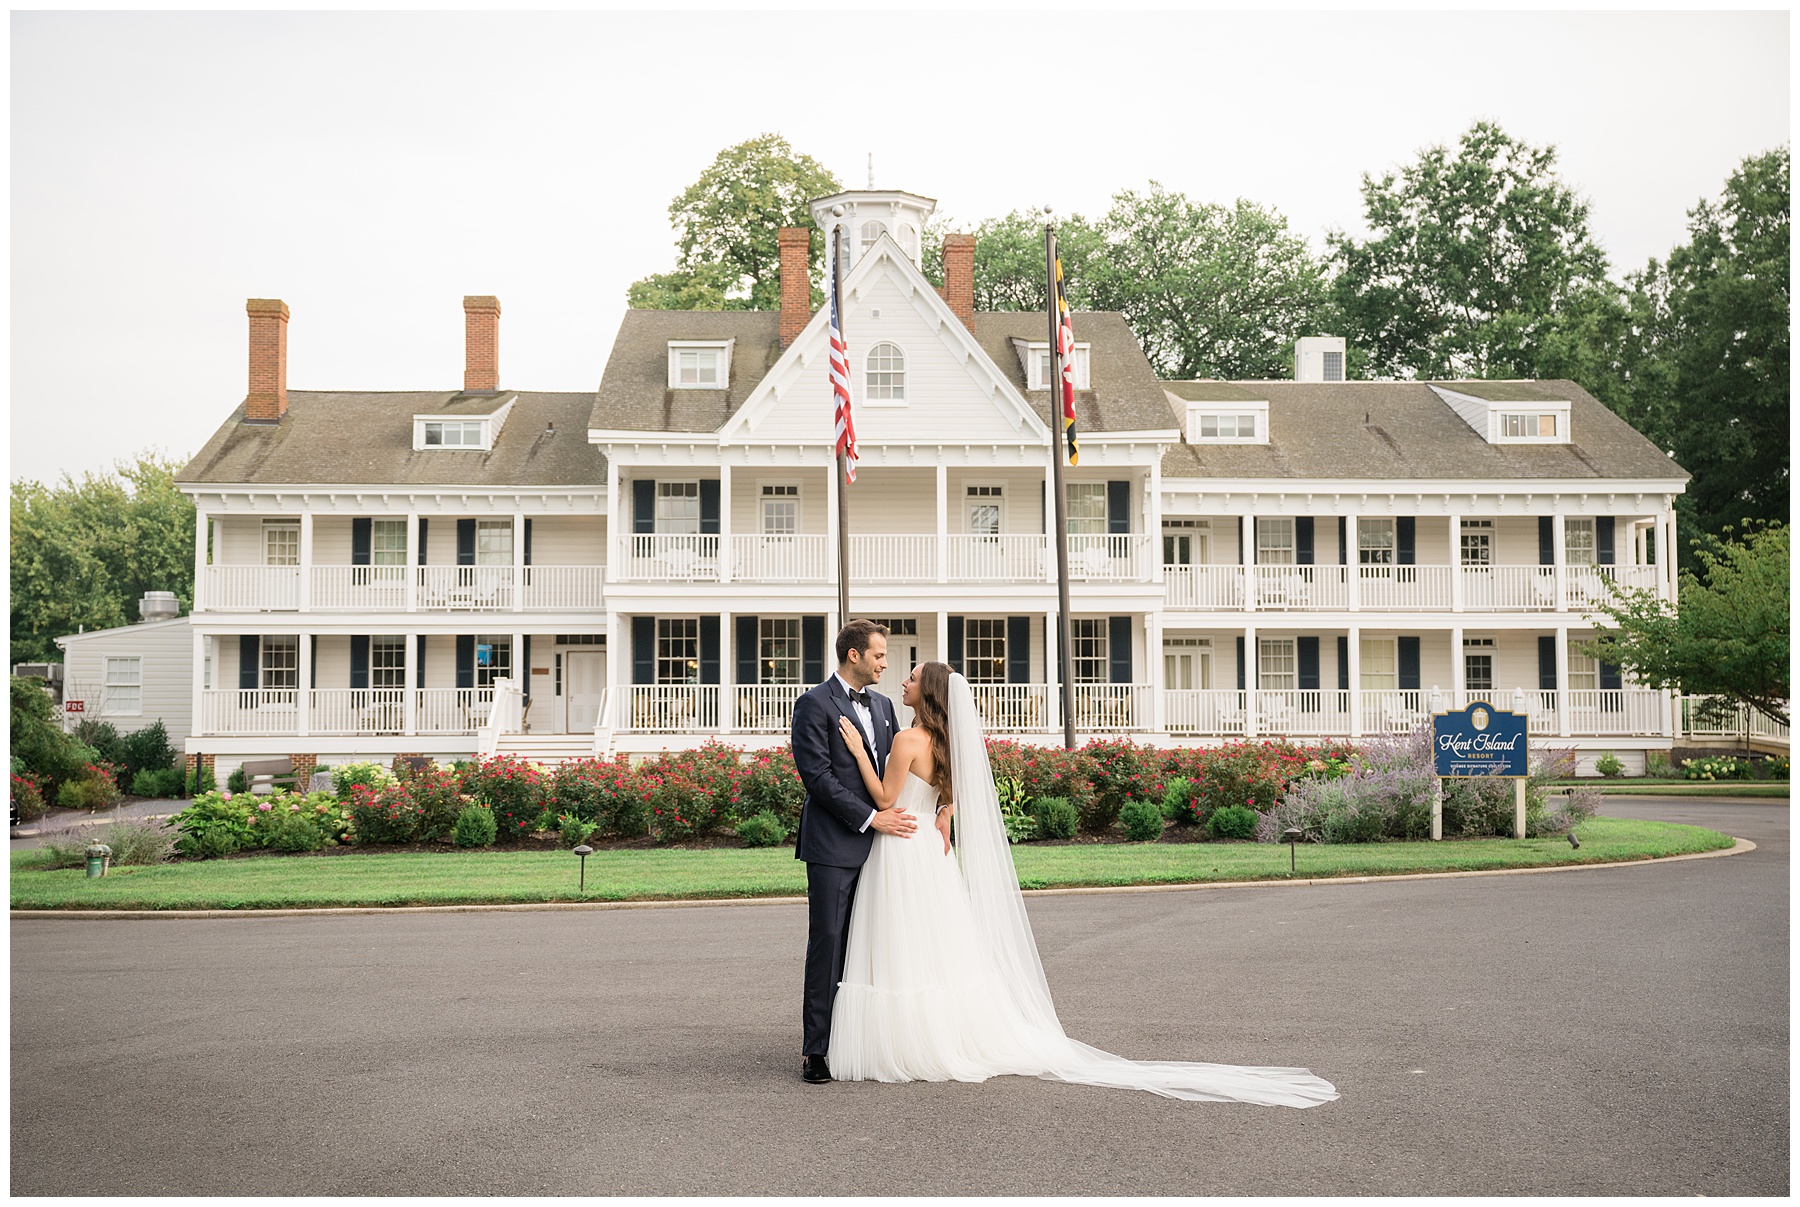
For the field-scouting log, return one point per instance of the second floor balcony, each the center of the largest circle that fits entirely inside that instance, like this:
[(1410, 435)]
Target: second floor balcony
[(881, 558), (229, 588), (1390, 588)]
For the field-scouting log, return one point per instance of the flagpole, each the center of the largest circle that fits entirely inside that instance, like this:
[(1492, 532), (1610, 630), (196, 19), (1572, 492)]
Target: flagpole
[(1064, 656), (843, 462)]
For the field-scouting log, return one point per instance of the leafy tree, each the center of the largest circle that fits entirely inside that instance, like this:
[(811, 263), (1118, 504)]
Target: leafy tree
[(1728, 637), (1009, 260), (84, 553), (1211, 290), (726, 224), (1479, 264)]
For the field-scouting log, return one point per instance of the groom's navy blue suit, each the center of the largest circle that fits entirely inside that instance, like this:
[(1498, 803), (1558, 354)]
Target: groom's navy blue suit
[(834, 837)]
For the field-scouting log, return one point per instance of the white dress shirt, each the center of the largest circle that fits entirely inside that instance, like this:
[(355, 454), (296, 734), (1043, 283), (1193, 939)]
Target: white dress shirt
[(866, 718)]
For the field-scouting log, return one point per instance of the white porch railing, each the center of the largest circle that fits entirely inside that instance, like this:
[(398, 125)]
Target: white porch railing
[(778, 559), (1007, 557), (505, 715), (1394, 711), (443, 710), (1210, 588), (668, 557), (1205, 713), (1112, 707), (1622, 712), (1404, 588), (1114, 557), (343, 712), (352, 711), (1587, 584), (563, 588), (1013, 707), (1308, 713), (228, 713), (766, 707), (1296, 588), (466, 588), (1724, 720), (252, 588), (893, 558), (358, 588), (671, 707), (1509, 588)]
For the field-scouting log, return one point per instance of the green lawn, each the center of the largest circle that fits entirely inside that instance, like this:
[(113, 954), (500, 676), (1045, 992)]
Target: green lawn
[(1666, 787), (498, 877)]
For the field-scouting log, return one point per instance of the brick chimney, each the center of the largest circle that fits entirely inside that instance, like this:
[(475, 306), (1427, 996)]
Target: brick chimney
[(796, 282), (959, 277), (481, 338), (267, 400)]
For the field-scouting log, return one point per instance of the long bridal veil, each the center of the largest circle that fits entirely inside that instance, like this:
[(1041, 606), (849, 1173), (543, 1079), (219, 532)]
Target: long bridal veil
[(998, 908)]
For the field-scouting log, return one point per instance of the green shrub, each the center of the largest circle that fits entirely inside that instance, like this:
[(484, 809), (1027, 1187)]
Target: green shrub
[(1143, 820), (63, 849), (1657, 766), (768, 783), (1121, 771), (202, 781), (139, 843), (1045, 771), (347, 777), (39, 744), (158, 785), (1178, 799), (1232, 821), (27, 795), (147, 749), (514, 789), (382, 815), (92, 789), (287, 825), (437, 800), (763, 829), (237, 781), (474, 827), (1055, 817), (1776, 766), (215, 813), (628, 814), (214, 842), (574, 831), (1716, 767), (1015, 809), (1609, 766)]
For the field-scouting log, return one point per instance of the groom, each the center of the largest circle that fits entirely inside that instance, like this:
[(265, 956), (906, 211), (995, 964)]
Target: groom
[(839, 820)]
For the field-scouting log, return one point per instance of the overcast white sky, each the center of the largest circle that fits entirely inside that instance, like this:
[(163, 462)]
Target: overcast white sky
[(370, 170)]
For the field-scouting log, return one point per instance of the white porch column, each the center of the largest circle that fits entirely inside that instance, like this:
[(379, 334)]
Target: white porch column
[(1153, 654), (409, 694), (1247, 557), (1560, 553), (1052, 684), (943, 637), (518, 575), (201, 520), (615, 551), (727, 666), (617, 659), (1353, 644), (1671, 562), (1153, 525), (1459, 670), (1564, 722), (306, 560), (412, 571), (199, 689), (943, 522), (303, 676), (724, 526), (1353, 571), (1456, 574), (1250, 681)]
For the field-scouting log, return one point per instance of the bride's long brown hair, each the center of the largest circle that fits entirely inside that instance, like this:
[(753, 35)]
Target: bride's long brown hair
[(933, 716)]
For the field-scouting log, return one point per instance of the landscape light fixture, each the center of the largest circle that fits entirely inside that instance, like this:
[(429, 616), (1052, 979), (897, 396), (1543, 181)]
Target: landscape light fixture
[(1574, 841), (1292, 835), (584, 850)]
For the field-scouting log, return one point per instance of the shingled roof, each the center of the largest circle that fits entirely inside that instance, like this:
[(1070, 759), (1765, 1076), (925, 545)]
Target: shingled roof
[(1124, 395), (361, 438), (1402, 430)]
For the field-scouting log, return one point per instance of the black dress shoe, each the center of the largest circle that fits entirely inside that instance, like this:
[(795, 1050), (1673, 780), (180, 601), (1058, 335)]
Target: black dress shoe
[(815, 1070)]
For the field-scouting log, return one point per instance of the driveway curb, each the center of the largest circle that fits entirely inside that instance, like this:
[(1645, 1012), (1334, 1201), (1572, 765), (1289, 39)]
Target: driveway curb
[(1740, 846)]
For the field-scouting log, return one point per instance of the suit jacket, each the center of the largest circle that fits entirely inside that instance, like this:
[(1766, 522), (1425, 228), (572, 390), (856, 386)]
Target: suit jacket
[(837, 803)]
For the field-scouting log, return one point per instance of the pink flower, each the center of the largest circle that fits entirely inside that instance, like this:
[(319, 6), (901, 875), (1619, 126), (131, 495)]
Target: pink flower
[(264, 807)]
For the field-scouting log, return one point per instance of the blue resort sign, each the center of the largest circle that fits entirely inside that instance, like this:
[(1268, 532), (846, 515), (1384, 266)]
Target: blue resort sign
[(1479, 740)]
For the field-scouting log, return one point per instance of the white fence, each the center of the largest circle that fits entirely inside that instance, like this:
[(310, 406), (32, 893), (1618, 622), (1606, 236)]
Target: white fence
[(1012, 707), (766, 707), (1208, 588), (251, 588), (343, 711)]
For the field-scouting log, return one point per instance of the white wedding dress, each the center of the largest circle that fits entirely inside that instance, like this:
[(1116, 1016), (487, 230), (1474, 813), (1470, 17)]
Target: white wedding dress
[(942, 980)]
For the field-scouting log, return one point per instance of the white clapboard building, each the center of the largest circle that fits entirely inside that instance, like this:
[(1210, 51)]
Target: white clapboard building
[(650, 565)]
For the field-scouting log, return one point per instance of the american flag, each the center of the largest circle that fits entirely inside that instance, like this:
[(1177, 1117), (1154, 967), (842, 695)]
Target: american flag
[(1065, 341), (843, 426)]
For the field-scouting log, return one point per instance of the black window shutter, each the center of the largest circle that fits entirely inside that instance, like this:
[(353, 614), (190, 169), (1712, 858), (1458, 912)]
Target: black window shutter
[(812, 649), (709, 649), (1118, 647), (1306, 650), (465, 542), (1406, 659), (1547, 663), (1240, 661), (249, 661), (1603, 540), (1546, 540), (424, 537), (359, 659), (523, 674), (749, 657), (1018, 649), (709, 505), (1118, 507), (643, 505), (419, 670), (956, 644), (527, 540), (361, 530), (313, 663), (643, 649), (1343, 644), (465, 660), (1650, 546), (1303, 540), (1343, 540), (1610, 679), (1405, 534), (1246, 534)]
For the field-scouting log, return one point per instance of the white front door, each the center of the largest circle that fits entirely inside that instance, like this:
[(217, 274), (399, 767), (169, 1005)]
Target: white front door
[(584, 681), (903, 655)]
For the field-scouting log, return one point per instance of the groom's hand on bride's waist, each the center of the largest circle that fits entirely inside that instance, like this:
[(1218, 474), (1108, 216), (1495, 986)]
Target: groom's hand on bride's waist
[(897, 822)]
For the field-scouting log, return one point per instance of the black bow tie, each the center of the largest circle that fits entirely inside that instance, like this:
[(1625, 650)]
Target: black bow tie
[(861, 698)]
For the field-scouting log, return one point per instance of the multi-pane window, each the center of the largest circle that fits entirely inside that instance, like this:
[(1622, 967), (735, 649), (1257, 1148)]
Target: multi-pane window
[(1578, 540), (677, 649), (1185, 542), (124, 687), (1375, 542), (778, 650), (780, 510), (453, 433), (984, 510), (1274, 541), (387, 662), (886, 366), (281, 543), (1228, 427), (1478, 664), (1087, 508), (678, 507), (280, 669), (1089, 649), (387, 542), (1331, 365), (1380, 664), (984, 650), (493, 660), (1584, 671), (1277, 665), (1187, 664), (1042, 371), (1521, 426), (493, 543), (697, 366), (1478, 542), (900, 626), (871, 231)]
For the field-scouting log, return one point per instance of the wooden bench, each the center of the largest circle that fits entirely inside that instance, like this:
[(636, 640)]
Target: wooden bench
[(264, 776)]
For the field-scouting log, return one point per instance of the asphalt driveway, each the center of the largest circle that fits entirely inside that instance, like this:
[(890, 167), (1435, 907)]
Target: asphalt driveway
[(1616, 1031)]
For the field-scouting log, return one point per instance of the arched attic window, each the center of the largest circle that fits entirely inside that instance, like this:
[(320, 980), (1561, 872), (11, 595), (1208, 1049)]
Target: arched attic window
[(885, 380), (871, 231)]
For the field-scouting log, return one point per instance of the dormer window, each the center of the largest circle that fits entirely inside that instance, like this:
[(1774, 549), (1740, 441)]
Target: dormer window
[(1229, 427), (1037, 356), (1228, 423), (1508, 412), (1515, 426), (696, 365), (454, 433)]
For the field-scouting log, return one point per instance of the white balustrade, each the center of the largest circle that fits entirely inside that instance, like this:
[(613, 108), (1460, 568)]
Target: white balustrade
[(252, 588), (895, 558), (228, 713), (1404, 588), (459, 710), (1208, 588), (354, 711), (1112, 707), (358, 588), (1106, 557), (466, 588), (1007, 557), (1717, 717), (1302, 588), (1302, 713), (670, 557), (672, 707), (1204, 713), (1587, 585), (1012, 707), (1393, 711), (1508, 588), (766, 707), (779, 558), (563, 588), (1610, 712)]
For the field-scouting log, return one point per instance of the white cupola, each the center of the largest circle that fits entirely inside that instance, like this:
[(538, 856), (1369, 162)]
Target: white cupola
[(869, 214)]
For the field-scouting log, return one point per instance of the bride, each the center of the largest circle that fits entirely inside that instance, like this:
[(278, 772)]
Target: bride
[(941, 979)]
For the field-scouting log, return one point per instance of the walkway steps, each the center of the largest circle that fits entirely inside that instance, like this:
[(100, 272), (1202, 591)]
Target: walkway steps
[(550, 749)]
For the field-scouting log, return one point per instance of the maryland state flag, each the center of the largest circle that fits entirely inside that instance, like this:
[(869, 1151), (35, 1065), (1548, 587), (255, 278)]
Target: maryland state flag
[(1065, 344)]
